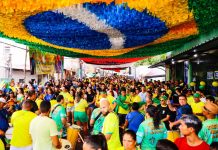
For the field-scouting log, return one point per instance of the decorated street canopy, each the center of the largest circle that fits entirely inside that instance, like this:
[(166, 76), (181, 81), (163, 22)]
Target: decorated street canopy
[(115, 69), (110, 61), (106, 28)]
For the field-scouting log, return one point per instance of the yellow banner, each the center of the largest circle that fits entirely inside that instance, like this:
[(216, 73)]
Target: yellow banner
[(41, 62)]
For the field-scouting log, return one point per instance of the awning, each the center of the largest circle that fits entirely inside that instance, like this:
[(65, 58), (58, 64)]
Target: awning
[(207, 48)]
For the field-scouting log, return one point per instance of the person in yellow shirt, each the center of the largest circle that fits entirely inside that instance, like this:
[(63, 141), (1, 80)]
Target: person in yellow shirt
[(68, 103), (168, 90), (134, 97), (80, 111), (53, 102), (39, 100), (12, 86), (2, 146), (197, 106), (102, 94), (97, 97), (110, 126), (122, 106), (190, 98), (110, 97), (21, 139)]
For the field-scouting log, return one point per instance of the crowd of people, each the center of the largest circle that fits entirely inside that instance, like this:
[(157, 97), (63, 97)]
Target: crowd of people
[(114, 113)]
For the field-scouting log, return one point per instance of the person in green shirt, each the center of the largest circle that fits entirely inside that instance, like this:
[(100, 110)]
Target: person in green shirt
[(209, 130), (122, 106), (151, 130), (58, 114), (97, 119)]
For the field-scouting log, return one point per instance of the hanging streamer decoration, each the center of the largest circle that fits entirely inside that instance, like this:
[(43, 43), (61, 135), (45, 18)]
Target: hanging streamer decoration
[(106, 28), (110, 61)]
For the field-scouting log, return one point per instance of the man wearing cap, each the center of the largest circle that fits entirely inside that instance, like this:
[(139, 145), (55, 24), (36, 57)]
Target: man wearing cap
[(209, 131), (164, 112), (3, 119), (197, 106)]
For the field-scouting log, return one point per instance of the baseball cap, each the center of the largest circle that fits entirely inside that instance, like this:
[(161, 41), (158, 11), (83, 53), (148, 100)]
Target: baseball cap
[(163, 98), (196, 95), (211, 107), (2, 100)]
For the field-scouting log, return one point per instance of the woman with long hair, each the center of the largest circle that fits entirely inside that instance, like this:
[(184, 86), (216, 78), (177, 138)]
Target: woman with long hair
[(20, 95), (90, 95), (151, 130)]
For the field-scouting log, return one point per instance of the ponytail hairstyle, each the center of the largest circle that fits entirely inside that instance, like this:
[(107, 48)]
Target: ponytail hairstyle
[(153, 113)]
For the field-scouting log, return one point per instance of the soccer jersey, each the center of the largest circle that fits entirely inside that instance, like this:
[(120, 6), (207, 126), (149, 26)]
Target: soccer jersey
[(190, 100), (197, 108), (135, 98), (21, 123), (150, 135), (38, 102), (99, 122), (57, 114), (125, 100), (68, 99), (111, 126), (81, 105), (209, 131), (53, 102)]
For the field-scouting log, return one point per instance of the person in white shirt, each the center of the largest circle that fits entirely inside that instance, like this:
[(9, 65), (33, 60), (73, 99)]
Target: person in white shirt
[(43, 130), (142, 94)]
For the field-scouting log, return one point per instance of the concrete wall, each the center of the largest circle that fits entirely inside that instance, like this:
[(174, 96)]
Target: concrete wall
[(19, 74)]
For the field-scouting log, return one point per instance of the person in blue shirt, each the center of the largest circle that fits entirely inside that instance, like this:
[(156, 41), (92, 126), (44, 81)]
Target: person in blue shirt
[(134, 118), (3, 119), (50, 95), (184, 109)]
